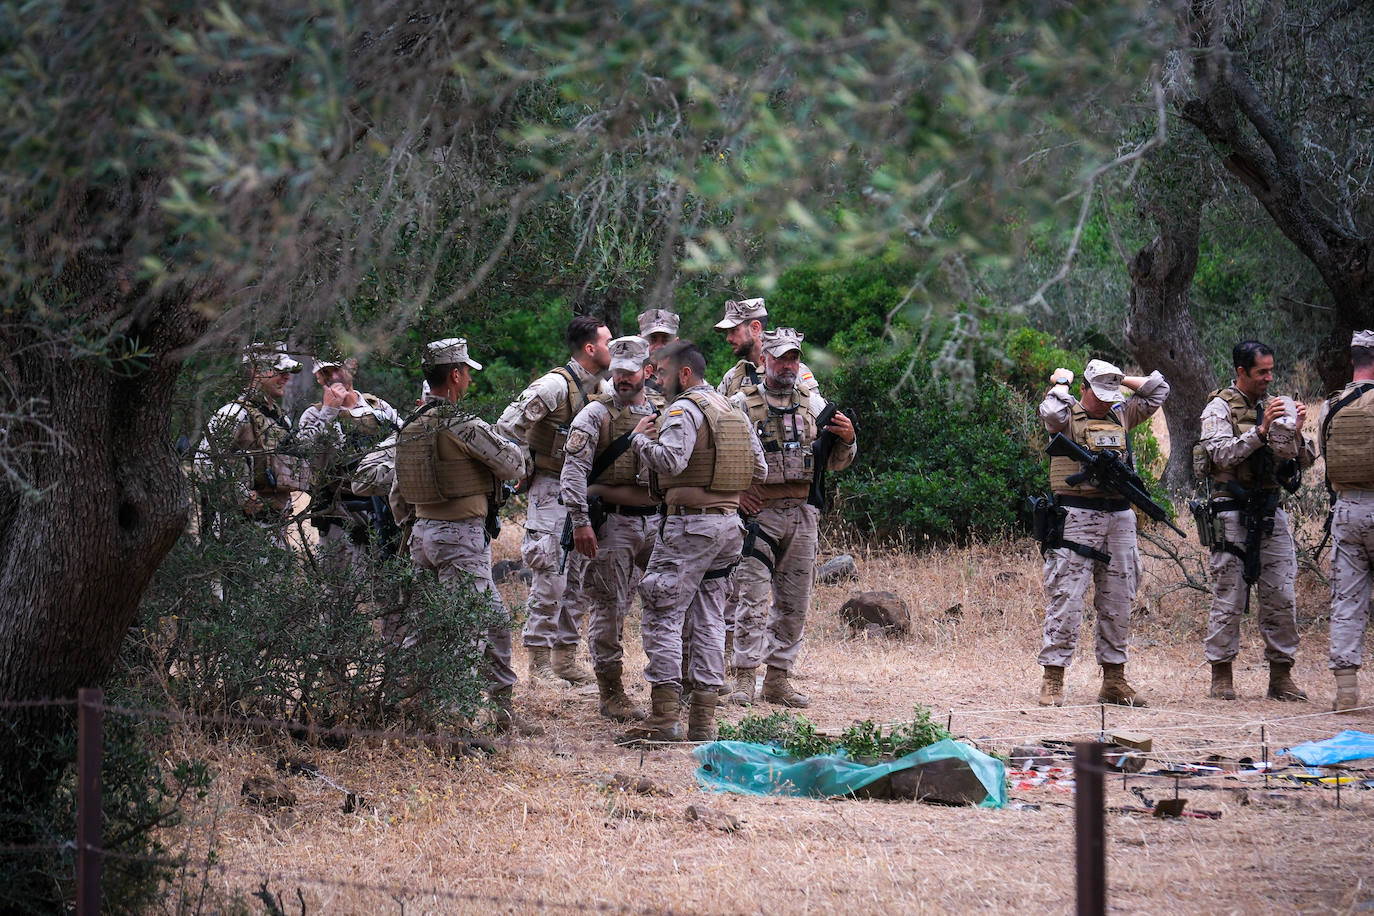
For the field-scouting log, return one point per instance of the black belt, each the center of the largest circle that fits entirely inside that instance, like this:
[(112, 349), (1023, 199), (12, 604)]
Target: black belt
[(1097, 505), (637, 511)]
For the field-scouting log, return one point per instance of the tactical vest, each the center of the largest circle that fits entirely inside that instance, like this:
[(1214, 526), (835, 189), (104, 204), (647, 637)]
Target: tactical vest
[(274, 470), (1259, 469), (1348, 439), (787, 434), (360, 434), (619, 421), (723, 460), (1094, 435), (743, 373), (426, 478), (550, 434)]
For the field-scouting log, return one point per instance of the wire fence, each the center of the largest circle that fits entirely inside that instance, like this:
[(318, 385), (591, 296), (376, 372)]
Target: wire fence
[(1179, 762)]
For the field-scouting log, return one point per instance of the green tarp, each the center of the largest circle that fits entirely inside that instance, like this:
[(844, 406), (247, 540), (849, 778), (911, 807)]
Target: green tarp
[(762, 769)]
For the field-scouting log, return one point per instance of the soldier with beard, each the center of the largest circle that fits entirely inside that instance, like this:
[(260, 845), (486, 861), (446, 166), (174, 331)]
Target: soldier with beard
[(614, 516), (659, 328), (775, 578), (701, 457), (744, 323)]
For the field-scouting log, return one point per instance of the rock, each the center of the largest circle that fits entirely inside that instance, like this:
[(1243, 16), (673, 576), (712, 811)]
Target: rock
[(503, 570), (956, 612), (267, 792), (841, 569), (713, 817), (881, 610), (640, 785), (945, 782)]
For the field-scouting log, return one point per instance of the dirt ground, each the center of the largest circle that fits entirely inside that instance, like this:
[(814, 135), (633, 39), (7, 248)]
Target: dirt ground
[(532, 828)]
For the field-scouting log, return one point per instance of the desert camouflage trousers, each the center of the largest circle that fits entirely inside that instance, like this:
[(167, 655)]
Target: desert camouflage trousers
[(454, 549), (774, 585), (552, 612), (1352, 564), (607, 584), (1067, 575), (1274, 595), (679, 597)]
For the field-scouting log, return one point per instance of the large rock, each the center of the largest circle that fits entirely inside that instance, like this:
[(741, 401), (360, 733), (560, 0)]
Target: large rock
[(877, 612), (841, 569), (950, 781)]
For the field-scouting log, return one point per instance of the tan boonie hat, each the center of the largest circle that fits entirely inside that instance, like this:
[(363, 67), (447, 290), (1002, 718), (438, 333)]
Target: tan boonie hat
[(737, 312), (448, 352), (628, 354), (658, 321), (1362, 339), (271, 356), (1105, 381), (781, 341)]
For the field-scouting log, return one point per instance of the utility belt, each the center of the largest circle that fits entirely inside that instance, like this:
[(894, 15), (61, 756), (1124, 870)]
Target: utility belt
[(1048, 513), (634, 511), (695, 510), (1099, 504)]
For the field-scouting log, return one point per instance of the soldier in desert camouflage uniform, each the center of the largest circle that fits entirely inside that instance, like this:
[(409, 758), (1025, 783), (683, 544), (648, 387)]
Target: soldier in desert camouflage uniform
[(619, 491), (1347, 432), (702, 456), (1236, 424), (774, 580), (659, 328), (1098, 542)]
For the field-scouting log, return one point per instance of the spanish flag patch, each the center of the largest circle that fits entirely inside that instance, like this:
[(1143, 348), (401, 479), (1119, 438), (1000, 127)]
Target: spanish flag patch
[(675, 412), (806, 376)]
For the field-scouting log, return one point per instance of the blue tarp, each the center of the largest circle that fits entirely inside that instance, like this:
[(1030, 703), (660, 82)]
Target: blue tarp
[(1348, 745), (762, 769)]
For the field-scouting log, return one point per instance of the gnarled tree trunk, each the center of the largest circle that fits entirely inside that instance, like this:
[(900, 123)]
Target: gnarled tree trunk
[(1161, 335)]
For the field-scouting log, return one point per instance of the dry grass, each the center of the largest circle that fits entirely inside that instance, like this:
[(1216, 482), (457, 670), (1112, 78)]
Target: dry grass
[(530, 828)]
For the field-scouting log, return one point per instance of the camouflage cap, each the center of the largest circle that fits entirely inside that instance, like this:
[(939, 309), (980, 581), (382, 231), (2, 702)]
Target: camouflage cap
[(1362, 339), (451, 351), (1105, 381), (658, 321), (782, 340), (739, 311), (327, 363), (271, 356), (629, 354)]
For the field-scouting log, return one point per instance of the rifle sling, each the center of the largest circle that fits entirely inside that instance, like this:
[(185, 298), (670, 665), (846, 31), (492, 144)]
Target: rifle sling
[(609, 456)]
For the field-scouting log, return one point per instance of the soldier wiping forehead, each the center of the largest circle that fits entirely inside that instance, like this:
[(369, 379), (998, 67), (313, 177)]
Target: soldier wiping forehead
[(659, 327), (619, 484)]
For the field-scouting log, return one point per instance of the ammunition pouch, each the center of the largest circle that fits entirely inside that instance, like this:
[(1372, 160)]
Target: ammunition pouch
[(1047, 526), (1210, 528)]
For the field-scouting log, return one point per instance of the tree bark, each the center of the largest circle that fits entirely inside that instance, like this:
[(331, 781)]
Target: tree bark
[(1161, 335)]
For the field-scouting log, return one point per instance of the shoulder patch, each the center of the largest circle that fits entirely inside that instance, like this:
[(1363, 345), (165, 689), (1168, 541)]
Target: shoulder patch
[(577, 441), (675, 412)]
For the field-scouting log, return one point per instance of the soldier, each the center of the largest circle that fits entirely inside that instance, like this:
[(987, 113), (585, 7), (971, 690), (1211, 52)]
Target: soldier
[(600, 471), (774, 580), (1245, 476), (1098, 541), (341, 429), (254, 425), (450, 466), (540, 420), (701, 457), (1346, 432), (744, 323), (659, 328)]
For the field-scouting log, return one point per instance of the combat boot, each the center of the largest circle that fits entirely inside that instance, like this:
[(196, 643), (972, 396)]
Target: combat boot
[(565, 665), (1052, 686), (778, 689), (615, 703), (1115, 689), (1222, 688), (745, 681), (1347, 689), (701, 716), (662, 724), (540, 669), (1281, 684), (505, 720)]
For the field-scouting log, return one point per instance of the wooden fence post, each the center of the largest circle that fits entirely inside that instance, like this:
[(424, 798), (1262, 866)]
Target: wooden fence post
[(1090, 828)]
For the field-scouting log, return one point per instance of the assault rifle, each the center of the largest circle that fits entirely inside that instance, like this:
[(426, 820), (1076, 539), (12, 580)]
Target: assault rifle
[(820, 454), (1108, 471)]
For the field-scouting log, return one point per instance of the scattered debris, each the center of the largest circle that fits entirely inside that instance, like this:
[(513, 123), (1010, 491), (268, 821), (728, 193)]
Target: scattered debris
[(841, 569), (713, 817), (639, 785), (877, 611), (1133, 740), (298, 766), (267, 792)]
